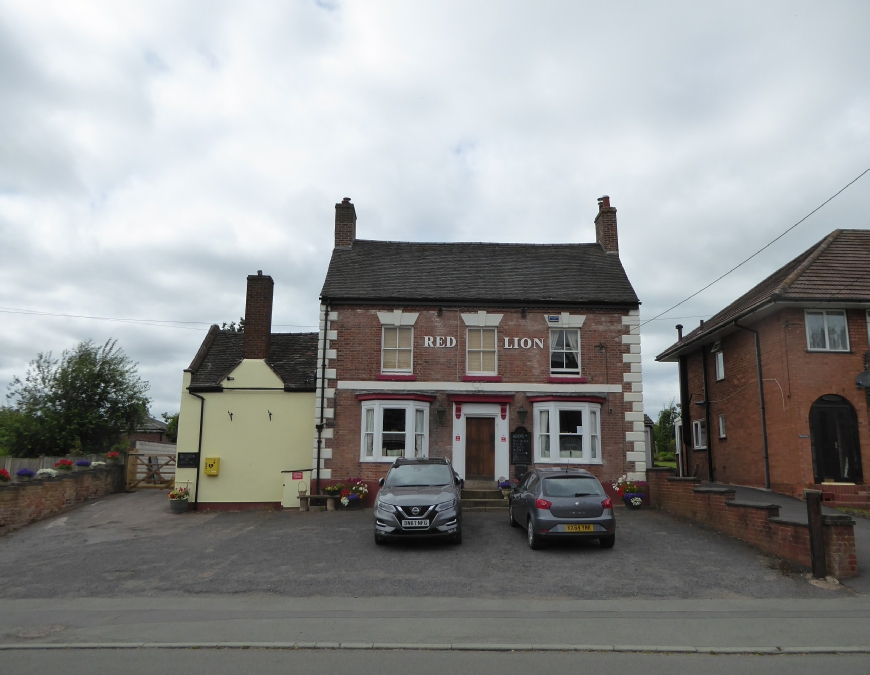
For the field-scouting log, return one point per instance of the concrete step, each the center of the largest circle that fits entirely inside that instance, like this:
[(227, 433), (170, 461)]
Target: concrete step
[(856, 499), (839, 488), (481, 494), (480, 484), (472, 504)]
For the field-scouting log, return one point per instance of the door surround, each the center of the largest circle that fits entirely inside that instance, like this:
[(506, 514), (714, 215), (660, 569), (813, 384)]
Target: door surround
[(502, 459)]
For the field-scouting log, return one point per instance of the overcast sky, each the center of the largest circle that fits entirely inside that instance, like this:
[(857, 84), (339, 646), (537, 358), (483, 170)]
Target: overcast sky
[(152, 154)]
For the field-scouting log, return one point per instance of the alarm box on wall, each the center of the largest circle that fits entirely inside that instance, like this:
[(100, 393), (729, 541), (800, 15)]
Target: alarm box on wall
[(212, 466)]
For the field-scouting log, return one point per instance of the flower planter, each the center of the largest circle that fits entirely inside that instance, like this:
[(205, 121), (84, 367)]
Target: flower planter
[(178, 505), (353, 505)]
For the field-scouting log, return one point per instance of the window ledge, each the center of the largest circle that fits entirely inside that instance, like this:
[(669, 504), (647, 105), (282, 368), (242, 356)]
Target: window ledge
[(482, 378), (379, 460), (397, 377), (566, 379), (570, 461), (830, 351)]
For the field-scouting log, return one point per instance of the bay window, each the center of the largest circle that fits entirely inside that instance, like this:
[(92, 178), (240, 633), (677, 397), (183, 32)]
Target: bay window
[(393, 429), (567, 433)]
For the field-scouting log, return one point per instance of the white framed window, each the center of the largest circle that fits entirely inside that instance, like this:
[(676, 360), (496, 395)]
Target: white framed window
[(393, 429), (827, 331), (721, 426), (567, 433), (481, 356), (565, 350), (397, 349), (720, 365), (699, 434)]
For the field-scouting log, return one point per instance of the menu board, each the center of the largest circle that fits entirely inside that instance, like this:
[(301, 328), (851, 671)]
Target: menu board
[(521, 447), (187, 460)]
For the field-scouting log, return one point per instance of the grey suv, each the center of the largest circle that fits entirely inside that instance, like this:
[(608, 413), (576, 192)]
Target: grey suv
[(419, 498), (562, 504)]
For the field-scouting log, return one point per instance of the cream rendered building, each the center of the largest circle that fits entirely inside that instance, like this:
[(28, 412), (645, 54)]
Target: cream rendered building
[(247, 406)]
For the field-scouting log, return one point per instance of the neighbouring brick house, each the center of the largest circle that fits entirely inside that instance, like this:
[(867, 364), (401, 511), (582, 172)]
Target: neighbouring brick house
[(808, 321), (449, 349)]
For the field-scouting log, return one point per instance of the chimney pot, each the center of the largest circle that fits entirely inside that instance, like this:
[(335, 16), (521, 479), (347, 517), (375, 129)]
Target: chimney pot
[(605, 226), (679, 328), (345, 224), (702, 323), (258, 316)]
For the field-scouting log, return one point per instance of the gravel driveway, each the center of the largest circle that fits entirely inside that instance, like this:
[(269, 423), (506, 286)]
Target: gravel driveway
[(129, 545)]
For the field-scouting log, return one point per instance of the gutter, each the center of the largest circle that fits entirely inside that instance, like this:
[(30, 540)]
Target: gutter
[(761, 397)]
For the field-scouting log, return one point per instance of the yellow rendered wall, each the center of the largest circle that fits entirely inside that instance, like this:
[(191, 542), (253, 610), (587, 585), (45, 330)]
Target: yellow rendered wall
[(253, 449)]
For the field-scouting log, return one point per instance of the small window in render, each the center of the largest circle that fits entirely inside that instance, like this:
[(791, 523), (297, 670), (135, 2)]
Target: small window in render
[(481, 354), (393, 435), (720, 366), (699, 434), (564, 351), (827, 331), (721, 426), (397, 355)]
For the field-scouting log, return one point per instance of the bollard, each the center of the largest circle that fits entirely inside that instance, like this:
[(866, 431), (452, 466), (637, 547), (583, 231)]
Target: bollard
[(817, 534)]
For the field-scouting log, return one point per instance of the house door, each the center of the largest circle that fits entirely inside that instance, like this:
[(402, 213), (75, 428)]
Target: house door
[(480, 448), (834, 433)]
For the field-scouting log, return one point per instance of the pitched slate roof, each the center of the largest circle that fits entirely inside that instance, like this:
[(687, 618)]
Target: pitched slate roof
[(293, 357), (833, 270), (477, 272)]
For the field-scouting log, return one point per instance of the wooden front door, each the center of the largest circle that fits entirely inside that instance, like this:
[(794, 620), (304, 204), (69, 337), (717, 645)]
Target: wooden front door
[(480, 448)]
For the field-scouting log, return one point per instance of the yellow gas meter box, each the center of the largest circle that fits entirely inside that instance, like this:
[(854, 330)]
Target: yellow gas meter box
[(212, 466)]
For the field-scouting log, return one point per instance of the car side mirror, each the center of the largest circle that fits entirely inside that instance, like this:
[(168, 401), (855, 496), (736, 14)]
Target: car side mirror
[(461, 483), (381, 482)]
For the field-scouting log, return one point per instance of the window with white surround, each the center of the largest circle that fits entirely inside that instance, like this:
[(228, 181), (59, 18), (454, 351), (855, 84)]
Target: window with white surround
[(720, 365), (721, 426), (393, 429), (699, 434), (827, 331), (567, 433), (565, 351), (481, 352), (397, 352)]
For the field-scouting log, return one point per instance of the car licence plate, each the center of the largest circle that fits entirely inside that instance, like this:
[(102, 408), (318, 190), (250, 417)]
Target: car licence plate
[(579, 528), (415, 523)]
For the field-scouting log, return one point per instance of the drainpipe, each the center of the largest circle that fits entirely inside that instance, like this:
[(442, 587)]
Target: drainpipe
[(198, 449), (760, 396), (323, 382), (707, 416), (685, 415)]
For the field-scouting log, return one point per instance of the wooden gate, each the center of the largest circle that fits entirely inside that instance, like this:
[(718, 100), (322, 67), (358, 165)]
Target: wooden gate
[(150, 470)]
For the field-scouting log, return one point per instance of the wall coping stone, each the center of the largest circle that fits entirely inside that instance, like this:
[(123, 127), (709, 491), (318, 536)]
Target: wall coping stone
[(714, 490), (837, 520), (753, 505), (684, 479), (660, 469), (787, 521)]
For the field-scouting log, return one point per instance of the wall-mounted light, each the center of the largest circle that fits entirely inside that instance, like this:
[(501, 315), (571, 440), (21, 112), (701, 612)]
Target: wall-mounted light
[(522, 413), (231, 415), (440, 414), (270, 415)]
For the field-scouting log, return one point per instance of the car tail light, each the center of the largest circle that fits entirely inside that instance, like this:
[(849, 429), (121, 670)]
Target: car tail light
[(542, 504), (607, 503)]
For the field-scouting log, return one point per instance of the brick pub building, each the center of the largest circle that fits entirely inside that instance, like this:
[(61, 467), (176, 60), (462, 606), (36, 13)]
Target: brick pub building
[(456, 349), (796, 342)]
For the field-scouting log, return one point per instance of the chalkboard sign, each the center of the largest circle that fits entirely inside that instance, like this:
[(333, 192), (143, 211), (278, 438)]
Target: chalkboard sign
[(521, 446), (187, 460)]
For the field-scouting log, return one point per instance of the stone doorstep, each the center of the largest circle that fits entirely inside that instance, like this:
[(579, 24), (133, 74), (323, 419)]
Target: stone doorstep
[(468, 504), (481, 494)]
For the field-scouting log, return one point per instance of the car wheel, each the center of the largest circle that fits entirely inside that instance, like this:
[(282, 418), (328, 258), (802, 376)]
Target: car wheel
[(457, 538), (514, 523), (607, 542), (534, 539)]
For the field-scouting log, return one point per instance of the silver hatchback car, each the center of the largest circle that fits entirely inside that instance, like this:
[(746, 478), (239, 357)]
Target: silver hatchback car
[(562, 504)]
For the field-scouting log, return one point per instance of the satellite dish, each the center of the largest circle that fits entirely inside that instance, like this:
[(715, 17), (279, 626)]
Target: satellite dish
[(863, 380)]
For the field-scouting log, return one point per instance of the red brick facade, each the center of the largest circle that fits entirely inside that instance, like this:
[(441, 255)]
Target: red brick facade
[(794, 378), (258, 316), (439, 373)]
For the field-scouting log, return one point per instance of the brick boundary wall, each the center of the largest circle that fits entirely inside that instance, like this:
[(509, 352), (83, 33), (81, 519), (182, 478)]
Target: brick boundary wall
[(25, 503), (755, 523)]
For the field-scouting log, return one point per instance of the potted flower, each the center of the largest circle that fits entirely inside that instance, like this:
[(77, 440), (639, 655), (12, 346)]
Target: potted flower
[(113, 457), (65, 465), (98, 465), (352, 495), (333, 490), (178, 499), (505, 486), (25, 474), (631, 491), (4, 476), (46, 473), (83, 465)]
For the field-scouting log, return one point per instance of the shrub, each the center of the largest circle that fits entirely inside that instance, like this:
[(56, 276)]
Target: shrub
[(64, 465), (46, 473), (4, 476)]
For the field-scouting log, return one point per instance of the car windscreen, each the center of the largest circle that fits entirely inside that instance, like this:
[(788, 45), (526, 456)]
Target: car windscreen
[(572, 486), (407, 475)]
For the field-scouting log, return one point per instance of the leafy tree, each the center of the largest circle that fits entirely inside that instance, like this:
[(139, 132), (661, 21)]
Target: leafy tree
[(234, 327), (171, 426), (82, 402), (663, 430)]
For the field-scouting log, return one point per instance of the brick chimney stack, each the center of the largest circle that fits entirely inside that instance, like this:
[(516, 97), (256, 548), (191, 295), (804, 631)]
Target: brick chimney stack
[(605, 226), (345, 224), (258, 316)]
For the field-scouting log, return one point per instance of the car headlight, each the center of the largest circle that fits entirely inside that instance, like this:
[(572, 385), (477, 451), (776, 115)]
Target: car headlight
[(389, 508), (443, 506)]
